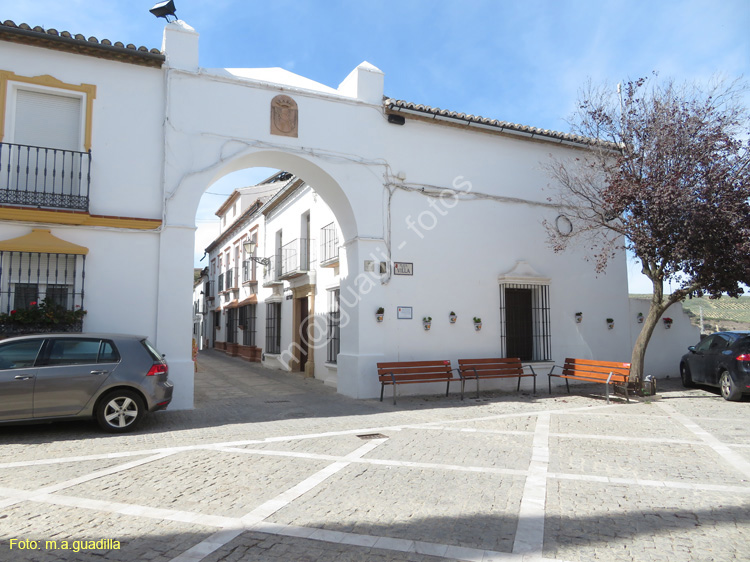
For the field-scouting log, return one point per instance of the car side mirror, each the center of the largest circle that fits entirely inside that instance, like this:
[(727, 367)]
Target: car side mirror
[(691, 348)]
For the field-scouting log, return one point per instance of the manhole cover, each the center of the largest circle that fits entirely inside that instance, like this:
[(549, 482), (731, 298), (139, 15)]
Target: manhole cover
[(373, 436)]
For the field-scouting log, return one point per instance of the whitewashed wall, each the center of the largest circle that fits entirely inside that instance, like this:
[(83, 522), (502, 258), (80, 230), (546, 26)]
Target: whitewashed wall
[(381, 181)]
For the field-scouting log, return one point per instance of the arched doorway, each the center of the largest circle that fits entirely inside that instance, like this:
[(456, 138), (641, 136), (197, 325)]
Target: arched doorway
[(299, 354)]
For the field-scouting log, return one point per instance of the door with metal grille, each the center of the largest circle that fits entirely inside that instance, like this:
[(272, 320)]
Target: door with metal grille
[(519, 323)]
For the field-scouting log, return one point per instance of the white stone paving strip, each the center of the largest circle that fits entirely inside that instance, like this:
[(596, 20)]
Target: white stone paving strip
[(41, 492), (732, 457), (256, 516), (530, 531)]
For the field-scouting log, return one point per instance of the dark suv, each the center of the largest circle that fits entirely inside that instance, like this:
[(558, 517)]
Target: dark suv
[(722, 360), (114, 378)]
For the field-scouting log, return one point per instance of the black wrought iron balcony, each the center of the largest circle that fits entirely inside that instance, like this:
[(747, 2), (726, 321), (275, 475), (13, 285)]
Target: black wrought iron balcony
[(295, 258), (34, 176), (272, 272), (329, 246)]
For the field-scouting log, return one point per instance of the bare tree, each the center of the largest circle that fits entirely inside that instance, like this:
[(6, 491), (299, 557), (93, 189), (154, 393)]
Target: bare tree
[(666, 177)]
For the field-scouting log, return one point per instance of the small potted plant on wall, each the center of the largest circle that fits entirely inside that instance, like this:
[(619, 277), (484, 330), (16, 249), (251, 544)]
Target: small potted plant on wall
[(639, 318), (452, 317), (579, 317), (610, 323), (427, 322), (667, 323), (379, 314), (477, 323)]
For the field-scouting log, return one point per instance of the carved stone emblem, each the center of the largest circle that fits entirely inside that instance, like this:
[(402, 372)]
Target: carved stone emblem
[(284, 116)]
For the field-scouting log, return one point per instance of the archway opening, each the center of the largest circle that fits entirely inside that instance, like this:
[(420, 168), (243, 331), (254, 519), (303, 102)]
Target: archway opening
[(268, 267)]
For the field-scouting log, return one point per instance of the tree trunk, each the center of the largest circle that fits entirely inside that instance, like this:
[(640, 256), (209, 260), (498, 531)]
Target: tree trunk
[(639, 348)]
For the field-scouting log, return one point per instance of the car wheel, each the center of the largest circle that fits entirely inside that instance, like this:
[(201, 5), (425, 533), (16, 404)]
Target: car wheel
[(687, 379), (120, 411), (729, 390)]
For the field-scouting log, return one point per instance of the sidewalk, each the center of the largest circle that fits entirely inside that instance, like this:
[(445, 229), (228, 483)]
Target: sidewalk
[(271, 466)]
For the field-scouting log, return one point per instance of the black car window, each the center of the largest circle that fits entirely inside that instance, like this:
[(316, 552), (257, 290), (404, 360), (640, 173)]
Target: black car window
[(108, 353), (720, 343), (19, 355), (704, 344), (73, 351), (743, 345)]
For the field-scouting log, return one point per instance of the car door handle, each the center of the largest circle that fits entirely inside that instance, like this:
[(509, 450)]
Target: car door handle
[(99, 372), (24, 377)]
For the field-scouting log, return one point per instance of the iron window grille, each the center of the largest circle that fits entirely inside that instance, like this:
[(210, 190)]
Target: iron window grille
[(32, 277), (334, 325), (230, 282), (329, 243), (247, 319), (220, 283), (36, 176), (525, 321), (273, 327), (231, 325)]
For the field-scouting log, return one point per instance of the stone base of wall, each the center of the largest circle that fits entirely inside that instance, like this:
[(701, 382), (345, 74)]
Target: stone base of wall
[(250, 353), (246, 352)]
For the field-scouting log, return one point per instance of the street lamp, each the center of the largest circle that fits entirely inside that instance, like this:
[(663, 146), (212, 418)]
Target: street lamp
[(250, 246)]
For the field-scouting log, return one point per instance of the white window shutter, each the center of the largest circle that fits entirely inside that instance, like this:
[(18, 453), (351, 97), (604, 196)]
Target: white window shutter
[(47, 120)]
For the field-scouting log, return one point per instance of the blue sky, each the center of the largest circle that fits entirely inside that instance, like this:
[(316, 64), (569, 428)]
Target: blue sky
[(519, 61)]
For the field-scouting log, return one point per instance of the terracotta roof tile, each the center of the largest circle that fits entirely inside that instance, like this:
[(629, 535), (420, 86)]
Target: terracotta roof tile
[(66, 41), (396, 106)]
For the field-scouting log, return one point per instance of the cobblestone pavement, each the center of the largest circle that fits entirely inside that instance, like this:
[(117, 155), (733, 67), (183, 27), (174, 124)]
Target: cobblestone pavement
[(271, 466)]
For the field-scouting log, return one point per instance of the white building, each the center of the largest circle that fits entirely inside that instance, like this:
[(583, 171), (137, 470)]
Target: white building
[(436, 211), (281, 309)]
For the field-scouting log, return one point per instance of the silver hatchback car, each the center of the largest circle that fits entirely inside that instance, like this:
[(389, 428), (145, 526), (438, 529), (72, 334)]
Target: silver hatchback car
[(114, 378)]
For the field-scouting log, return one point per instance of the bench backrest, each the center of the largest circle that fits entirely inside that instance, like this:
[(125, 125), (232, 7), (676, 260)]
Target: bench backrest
[(407, 371), (598, 370), (493, 367)]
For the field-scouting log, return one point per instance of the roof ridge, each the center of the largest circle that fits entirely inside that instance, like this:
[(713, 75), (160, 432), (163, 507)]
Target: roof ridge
[(446, 114)]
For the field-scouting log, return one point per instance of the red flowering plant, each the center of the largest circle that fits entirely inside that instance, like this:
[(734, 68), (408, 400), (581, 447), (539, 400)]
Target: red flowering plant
[(45, 314)]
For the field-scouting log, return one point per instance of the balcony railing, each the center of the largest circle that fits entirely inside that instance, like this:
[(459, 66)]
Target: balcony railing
[(272, 272), (295, 258), (248, 271), (35, 176), (329, 246), (220, 283), (230, 280)]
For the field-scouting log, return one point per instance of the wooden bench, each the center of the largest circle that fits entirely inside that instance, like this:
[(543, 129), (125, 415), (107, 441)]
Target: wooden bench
[(412, 372), (588, 370), (497, 368)]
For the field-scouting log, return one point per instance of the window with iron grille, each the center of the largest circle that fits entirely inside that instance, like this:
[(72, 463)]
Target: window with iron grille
[(334, 318), (247, 319), (525, 321), (273, 327), (31, 277), (220, 284), (329, 243), (231, 325)]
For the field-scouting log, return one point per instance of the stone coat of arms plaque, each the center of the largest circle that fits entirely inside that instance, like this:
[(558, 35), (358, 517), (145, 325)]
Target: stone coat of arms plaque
[(284, 116)]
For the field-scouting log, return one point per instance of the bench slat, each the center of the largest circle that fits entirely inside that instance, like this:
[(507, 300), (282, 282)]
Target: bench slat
[(591, 370), (411, 372), (492, 368)]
